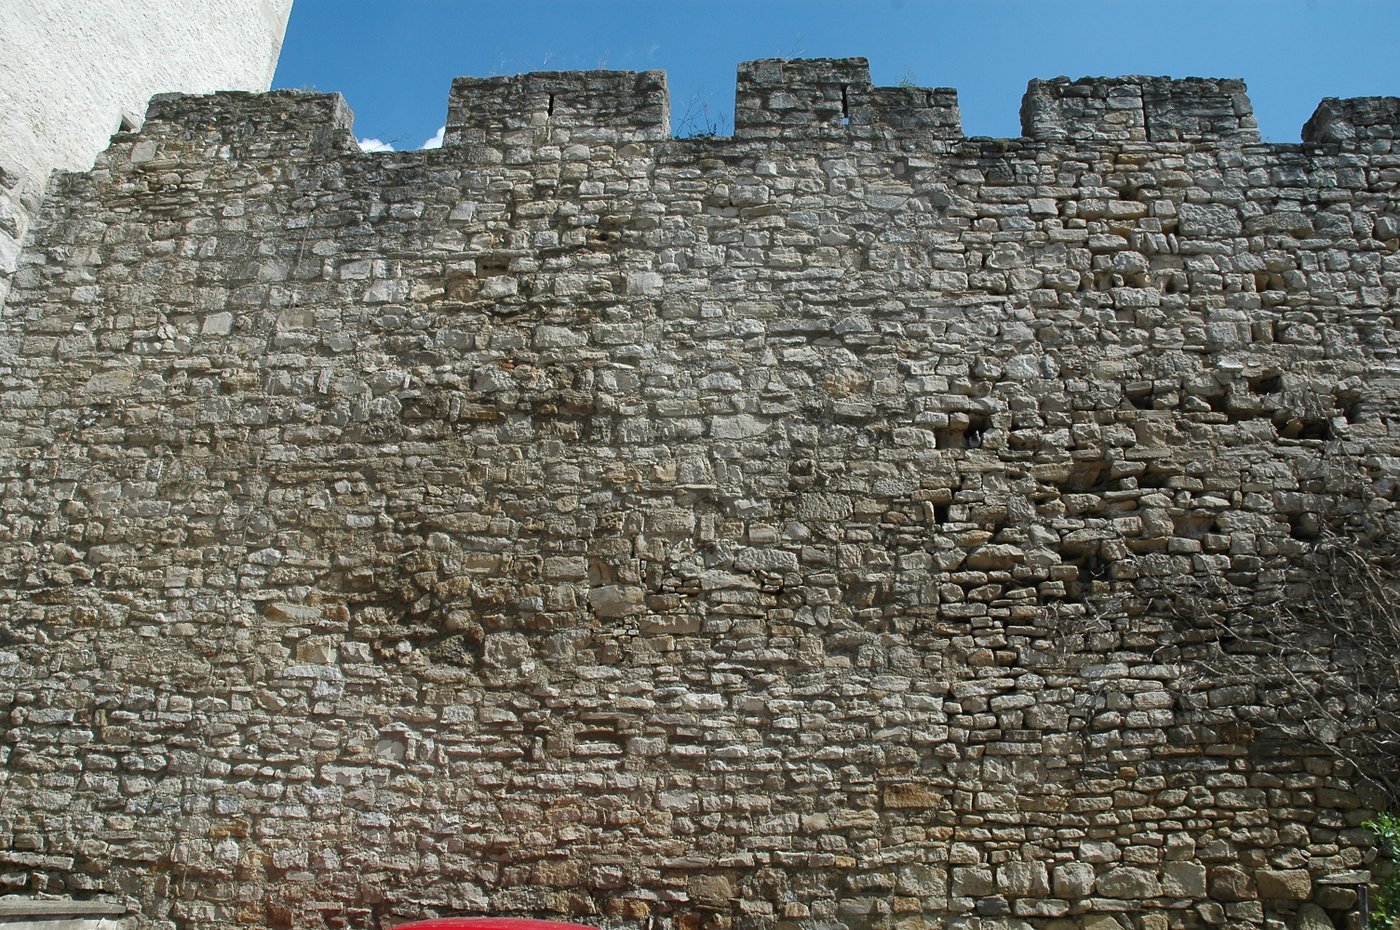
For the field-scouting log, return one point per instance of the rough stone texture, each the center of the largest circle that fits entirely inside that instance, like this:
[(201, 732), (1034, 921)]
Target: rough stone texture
[(71, 73), (1312, 917), (834, 99), (1288, 884), (821, 528), (21, 913), (1353, 120), (560, 108), (1139, 109)]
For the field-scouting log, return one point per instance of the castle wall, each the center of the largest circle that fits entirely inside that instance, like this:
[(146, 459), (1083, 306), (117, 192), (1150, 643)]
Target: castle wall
[(858, 526), (72, 72)]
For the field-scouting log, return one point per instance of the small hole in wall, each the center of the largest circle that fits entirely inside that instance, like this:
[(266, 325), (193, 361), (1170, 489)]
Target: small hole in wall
[(1087, 476), (1154, 478), (1302, 427), (1091, 568), (1304, 526), (1266, 384), (550, 110), (1194, 526), (976, 428), (845, 106), (1350, 404), (1315, 428), (1141, 398), (957, 436)]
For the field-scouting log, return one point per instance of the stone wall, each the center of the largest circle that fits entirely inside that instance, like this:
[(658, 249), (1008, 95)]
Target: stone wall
[(19, 912), (848, 524)]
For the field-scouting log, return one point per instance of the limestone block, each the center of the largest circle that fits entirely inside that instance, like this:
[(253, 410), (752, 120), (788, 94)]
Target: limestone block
[(612, 601), (1184, 879), (972, 882), (1023, 879), (1312, 917), (1074, 880), (1284, 884), (1228, 883), (1353, 121), (1208, 220), (1130, 883)]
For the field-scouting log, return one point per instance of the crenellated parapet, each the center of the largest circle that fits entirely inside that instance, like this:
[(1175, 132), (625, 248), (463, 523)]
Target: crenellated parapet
[(559, 106), (1138, 109), (241, 124), (1354, 121), (777, 100), (834, 98)]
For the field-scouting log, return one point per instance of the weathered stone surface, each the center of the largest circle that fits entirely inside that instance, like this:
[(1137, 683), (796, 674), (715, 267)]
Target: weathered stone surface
[(1184, 879), (1103, 922), (1023, 879), (1074, 880), (1228, 883), (911, 796), (847, 524), (1312, 917), (1138, 109), (1130, 883), (1284, 884)]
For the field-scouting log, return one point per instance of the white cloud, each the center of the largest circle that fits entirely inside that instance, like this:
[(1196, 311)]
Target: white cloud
[(379, 145)]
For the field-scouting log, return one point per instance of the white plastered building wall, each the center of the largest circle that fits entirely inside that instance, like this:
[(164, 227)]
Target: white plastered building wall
[(72, 72)]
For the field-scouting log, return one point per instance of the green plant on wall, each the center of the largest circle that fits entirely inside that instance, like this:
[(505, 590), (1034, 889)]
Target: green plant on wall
[(1385, 907)]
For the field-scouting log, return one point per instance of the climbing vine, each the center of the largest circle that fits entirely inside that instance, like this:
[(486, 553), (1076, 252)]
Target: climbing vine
[(1385, 907)]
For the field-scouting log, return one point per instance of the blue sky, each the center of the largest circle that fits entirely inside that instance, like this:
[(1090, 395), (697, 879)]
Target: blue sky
[(394, 59)]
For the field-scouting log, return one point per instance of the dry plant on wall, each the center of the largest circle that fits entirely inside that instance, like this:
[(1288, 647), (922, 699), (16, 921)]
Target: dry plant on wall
[(1324, 653)]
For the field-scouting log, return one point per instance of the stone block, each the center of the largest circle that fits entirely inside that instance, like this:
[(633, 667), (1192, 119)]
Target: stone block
[(1023, 879), (1353, 121), (1312, 917), (917, 797), (1228, 883), (1184, 879), (614, 600), (1074, 880), (1129, 883), (1284, 884), (555, 106), (972, 881)]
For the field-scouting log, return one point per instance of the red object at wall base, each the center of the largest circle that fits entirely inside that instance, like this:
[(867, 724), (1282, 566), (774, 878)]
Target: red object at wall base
[(489, 923)]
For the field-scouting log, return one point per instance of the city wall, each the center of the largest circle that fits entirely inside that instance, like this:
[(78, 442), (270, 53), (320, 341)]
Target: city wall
[(845, 524)]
